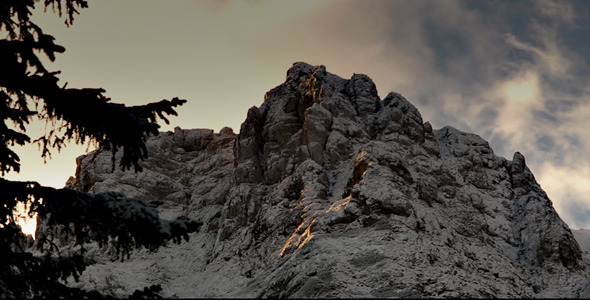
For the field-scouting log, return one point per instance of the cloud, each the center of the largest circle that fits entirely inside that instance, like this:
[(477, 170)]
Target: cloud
[(523, 88), (480, 67), (513, 72), (549, 56), (519, 84), (550, 125), (561, 12), (568, 184)]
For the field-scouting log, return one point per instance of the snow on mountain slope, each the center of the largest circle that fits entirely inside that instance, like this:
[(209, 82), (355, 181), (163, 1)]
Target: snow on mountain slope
[(329, 191)]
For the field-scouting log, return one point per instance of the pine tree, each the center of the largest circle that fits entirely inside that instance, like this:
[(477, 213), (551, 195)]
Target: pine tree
[(75, 115)]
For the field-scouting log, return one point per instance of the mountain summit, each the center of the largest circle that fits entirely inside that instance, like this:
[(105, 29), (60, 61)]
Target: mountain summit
[(330, 191)]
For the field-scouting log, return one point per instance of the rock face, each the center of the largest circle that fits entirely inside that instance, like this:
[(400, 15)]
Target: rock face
[(329, 191)]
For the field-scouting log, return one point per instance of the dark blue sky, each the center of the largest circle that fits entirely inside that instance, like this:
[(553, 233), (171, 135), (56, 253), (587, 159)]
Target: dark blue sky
[(516, 73)]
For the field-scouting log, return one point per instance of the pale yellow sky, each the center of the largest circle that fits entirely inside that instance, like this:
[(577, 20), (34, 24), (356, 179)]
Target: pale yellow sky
[(220, 56)]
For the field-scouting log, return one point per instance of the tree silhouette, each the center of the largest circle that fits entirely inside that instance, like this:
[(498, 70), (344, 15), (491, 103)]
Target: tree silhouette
[(74, 115)]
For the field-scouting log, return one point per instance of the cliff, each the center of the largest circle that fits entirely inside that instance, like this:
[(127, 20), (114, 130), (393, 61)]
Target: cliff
[(330, 191)]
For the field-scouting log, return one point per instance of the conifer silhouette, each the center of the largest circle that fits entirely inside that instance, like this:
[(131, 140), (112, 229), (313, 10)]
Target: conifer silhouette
[(74, 115)]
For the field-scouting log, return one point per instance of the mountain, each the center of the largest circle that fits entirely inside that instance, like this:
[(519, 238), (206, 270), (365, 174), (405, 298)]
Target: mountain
[(329, 191)]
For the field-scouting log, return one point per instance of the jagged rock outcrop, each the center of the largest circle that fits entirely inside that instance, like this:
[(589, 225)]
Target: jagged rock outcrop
[(329, 191)]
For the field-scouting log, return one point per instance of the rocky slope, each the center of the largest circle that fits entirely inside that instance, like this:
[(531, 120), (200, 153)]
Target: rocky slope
[(329, 191)]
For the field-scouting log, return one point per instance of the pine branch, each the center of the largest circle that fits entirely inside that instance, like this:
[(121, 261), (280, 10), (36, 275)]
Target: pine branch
[(75, 115), (106, 218)]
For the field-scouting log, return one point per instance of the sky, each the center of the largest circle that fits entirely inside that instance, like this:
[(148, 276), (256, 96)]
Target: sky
[(514, 72)]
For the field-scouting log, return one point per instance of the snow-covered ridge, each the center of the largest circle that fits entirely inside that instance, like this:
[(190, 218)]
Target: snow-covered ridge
[(330, 191)]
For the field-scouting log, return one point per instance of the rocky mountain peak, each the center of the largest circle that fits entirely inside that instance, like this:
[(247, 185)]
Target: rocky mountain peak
[(320, 116), (329, 191)]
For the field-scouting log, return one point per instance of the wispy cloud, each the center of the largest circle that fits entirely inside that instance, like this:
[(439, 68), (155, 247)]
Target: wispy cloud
[(499, 69), (514, 72)]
